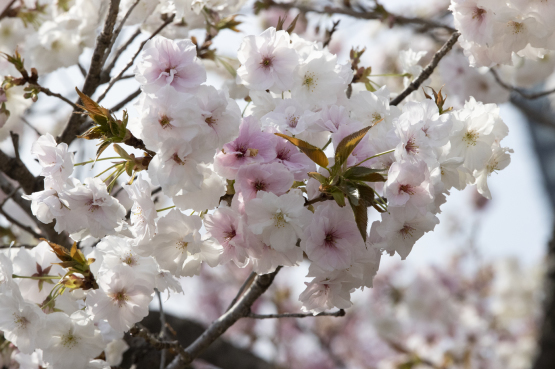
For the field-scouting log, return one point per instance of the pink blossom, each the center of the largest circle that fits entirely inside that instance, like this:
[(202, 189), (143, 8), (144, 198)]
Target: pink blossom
[(272, 177), (168, 62), (225, 225), (252, 146), (332, 239)]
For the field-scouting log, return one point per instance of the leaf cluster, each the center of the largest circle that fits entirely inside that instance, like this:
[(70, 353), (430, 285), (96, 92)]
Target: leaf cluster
[(344, 184), (439, 99)]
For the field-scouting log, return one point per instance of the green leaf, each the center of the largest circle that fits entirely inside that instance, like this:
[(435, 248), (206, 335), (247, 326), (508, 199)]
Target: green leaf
[(346, 147), (364, 174), (335, 192), (319, 177), (121, 152), (91, 106), (314, 153), (360, 210), (103, 146)]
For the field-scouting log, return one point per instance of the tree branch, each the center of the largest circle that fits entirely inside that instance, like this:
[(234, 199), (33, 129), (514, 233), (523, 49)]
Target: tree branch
[(16, 170), (125, 101), (337, 313), (521, 92), (243, 287), (374, 14), (108, 69), (92, 80), (46, 91), (427, 72), (6, 9), (120, 75), (218, 327)]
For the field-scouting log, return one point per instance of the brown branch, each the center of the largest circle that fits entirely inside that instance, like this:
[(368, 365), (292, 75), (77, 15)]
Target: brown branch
[(118, 30), (322, 197), (338, 313), (521, 92), (536, 115), (218, 327), (330, 32), (140, 331), (46, 91), (19, 225), (243, 287), (374, 14), (427, 72), (6, 10), (120, 75), (16, 170), (92, 80), (25, 205), (105, 77)]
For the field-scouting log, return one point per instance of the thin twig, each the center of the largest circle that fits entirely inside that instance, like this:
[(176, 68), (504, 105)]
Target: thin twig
[(337, 313), (19, 225), (521, 92), (243, 287), (140, 331), (6, 9), (427, 72), (9, 196), (25, 121), (162, 334), (220, 325), (322, 197), (363, 14), (82, 69), (119, 28), (108, 69), (46, 91), (330, 32), (132, 61), (125, 101), (15, 143)]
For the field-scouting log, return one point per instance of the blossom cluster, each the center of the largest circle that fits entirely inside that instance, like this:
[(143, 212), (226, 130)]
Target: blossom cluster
[(492, 31), (292, 177)]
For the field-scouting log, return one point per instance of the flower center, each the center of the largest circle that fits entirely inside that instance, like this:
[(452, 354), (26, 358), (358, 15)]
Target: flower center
[(279, 220), (479, 13), (329, 241), (411, 147), (260, 186), (210, 121), (284, 154), (376, 117), (266, 62), (20, 321), (407, 231), (69, 340), (406, 188), (182, 245), (165, 121), (471, 137), (120, 297), (310, 81), (230, 234), (129, 259), (292, 121), (517, 27), (177, 159)]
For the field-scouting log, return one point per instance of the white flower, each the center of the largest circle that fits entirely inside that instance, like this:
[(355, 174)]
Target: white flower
[(176, 166), (143, 212), (408, 184), (103, 212), (208, 197), (332, 239), (279, 219), (319, 82), (499, 160), (20, 320), (70, 342), (37, 262), (289, 116), (119, 251), (55, 160), (267, 61), (122, 298), (167, 62), (326, 290), (178, 246)]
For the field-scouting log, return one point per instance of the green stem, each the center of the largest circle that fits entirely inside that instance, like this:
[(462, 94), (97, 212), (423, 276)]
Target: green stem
[(327, 144), (391, 75), (375, 156), (104, 171), (92, 161), (169, 207), (46, 277), (244, 110)]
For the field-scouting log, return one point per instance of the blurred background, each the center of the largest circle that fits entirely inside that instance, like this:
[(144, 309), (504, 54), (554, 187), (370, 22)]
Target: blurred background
[(469, 295)]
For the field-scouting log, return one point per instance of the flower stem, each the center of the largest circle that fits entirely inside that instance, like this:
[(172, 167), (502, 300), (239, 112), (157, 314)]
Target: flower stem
[(168, 208)]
